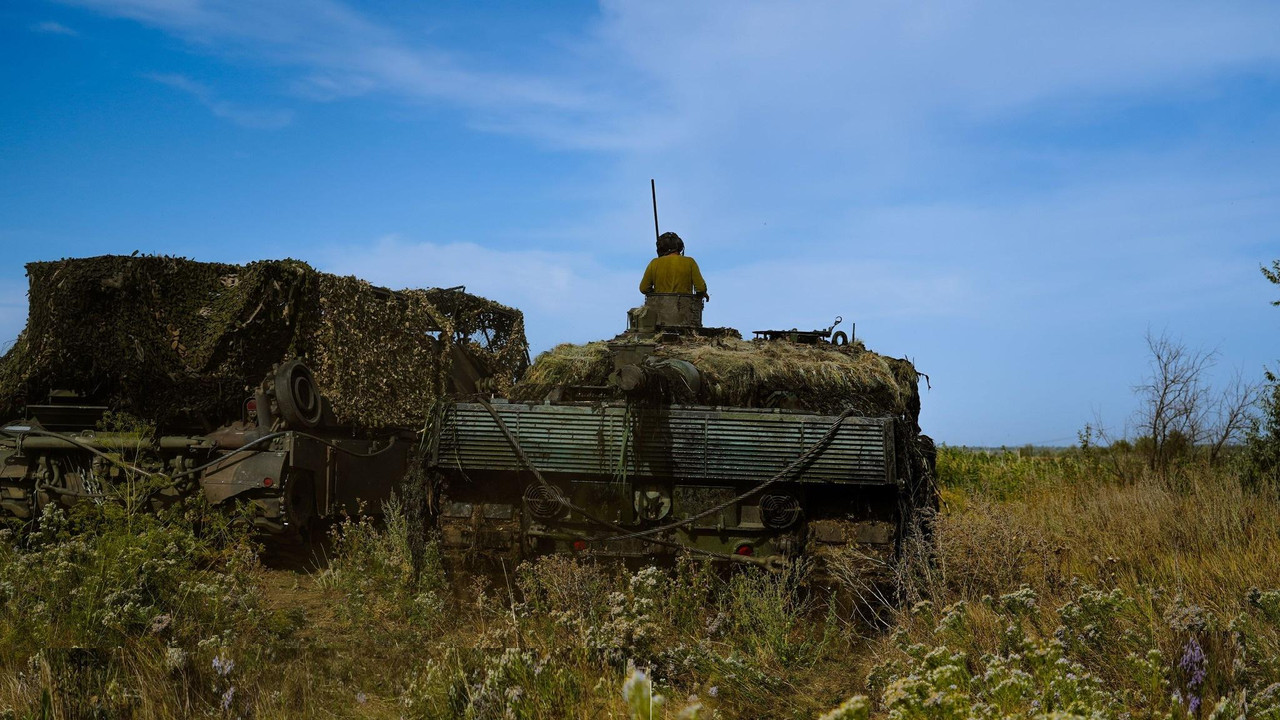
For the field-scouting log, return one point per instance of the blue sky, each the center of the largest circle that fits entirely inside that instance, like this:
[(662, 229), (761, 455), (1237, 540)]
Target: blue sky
[(1012, 194)]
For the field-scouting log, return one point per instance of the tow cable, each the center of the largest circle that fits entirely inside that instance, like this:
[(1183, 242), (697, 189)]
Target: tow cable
[(624, 534)]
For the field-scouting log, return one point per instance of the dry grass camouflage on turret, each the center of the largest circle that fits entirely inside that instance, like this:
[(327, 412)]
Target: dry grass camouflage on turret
[(181, 342), (758, 373)]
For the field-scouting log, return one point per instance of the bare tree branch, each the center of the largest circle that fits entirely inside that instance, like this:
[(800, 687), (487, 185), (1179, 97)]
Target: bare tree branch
[(1233, 413), (1176, 400)]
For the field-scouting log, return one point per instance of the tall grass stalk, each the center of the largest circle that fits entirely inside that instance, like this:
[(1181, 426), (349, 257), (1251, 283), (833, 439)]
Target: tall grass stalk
[(1073, 582)]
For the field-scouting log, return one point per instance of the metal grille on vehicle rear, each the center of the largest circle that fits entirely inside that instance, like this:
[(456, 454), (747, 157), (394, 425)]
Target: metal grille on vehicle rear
[(693, 444)]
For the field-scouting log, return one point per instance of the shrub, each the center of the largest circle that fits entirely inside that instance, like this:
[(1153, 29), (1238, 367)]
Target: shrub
[(1263, 440), (157, 596)]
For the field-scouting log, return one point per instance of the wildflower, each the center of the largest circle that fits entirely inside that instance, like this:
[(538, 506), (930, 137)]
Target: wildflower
[(1023, 601), (714, 691), (1193, 662), (228, 697), (855, 708), (223, 666), (639, 695), (1187, 618), (362, 698), (690, 712), (1193, 665), (161, 623)]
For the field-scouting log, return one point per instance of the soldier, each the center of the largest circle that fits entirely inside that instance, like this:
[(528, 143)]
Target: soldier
[(672, 272)]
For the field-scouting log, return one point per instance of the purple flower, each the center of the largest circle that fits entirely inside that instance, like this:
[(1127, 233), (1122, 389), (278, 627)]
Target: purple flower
[(1193, 665), (223, 666)]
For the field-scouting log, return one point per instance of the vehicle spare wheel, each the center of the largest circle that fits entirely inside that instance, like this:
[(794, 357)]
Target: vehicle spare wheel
[(297, 396)]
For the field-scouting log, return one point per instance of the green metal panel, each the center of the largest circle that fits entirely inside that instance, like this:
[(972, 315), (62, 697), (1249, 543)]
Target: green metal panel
[(698, 444)]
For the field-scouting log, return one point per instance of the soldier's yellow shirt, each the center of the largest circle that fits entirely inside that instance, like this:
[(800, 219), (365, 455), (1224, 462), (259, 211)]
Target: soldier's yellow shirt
[(673, 274)]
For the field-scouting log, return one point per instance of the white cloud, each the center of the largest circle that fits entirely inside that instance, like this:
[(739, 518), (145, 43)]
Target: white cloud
[(571, 297), (339, 53), (866, 61), (236, 113), (845, 104), (854, 79), (948, 175), (54, 28)]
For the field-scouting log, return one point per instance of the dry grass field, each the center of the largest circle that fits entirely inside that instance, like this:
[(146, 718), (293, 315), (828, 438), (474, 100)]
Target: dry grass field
[(1070, 584)]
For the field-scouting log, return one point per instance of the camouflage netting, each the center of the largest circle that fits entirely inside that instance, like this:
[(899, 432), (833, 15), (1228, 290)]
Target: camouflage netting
[(182, 342), (739, 373)]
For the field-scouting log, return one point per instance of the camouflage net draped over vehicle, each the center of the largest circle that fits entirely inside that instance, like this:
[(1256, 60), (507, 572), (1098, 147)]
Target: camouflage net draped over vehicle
[(182, 342), (758, 373)]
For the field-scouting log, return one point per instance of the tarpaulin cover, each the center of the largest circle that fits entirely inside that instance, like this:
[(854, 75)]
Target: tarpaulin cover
[(182, 343)]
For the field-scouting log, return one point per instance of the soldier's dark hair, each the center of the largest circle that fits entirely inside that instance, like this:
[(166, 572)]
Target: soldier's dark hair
[(669, 242)]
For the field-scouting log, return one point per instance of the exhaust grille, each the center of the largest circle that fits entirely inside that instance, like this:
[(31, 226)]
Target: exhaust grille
[(687, 443)]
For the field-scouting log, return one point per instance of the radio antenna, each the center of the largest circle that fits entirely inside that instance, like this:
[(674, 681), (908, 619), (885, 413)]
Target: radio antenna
[(653, 189)]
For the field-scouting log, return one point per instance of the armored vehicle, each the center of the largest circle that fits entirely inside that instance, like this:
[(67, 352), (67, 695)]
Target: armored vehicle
[(287, 462), (296, 394), (677, 437), (302, 396)]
